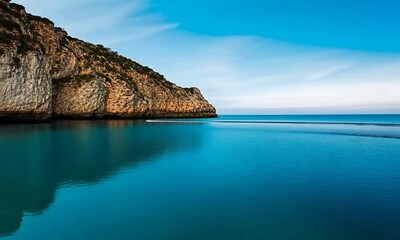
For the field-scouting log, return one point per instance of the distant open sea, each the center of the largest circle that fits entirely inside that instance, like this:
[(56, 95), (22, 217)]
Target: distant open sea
[(281, 177)]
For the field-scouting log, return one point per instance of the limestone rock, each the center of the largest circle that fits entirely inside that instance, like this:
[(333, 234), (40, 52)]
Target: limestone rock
[(80, 98), (25, 86), (45, 73)]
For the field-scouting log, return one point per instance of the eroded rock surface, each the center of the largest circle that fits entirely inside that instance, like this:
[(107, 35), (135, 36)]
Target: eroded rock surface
[(25, 86)]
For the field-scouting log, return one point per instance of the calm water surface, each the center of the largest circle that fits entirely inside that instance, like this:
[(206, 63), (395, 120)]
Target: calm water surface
[(236, 177)]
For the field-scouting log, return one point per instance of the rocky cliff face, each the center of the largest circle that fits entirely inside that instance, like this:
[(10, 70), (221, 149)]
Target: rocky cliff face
[(45, 73)]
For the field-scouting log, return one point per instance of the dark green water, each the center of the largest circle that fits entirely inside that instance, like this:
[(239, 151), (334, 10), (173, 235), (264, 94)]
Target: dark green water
[(177, 180)]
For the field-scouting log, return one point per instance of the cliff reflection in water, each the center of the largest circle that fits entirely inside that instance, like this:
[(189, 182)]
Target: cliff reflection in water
[(36, 159)]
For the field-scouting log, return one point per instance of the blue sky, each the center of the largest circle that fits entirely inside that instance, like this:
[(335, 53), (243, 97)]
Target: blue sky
[(299, 56), (355, 24)]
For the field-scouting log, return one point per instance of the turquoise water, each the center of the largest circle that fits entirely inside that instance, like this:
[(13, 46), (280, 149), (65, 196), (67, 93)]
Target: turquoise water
[(358, 119), (372, 119), (237, 177)]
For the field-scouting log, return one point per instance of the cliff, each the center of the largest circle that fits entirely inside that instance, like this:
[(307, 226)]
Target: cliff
[(44, 73)]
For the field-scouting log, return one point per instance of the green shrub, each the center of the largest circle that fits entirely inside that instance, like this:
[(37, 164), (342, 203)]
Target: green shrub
[(101, 75), (110, 68), (16, 62), (40, 19), (63, 42), (58, 29), (17, 7), (4, 6), (76, 79), (5, 38), (16, 14), (9, 25), (26, 44)]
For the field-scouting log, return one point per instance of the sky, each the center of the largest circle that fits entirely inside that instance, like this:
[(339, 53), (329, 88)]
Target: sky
[(254, 56)]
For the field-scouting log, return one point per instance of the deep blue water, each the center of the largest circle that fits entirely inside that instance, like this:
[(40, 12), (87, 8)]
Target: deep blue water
[(371, 119), (236, 177), (357, 119)]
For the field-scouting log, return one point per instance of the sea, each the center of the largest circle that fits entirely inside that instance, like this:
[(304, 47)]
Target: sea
[(280, 177)]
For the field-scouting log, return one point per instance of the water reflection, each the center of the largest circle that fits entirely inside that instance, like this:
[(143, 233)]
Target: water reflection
[(36, 159)]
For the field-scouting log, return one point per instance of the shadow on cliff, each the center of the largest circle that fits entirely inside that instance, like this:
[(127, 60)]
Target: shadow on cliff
[(36, 159)]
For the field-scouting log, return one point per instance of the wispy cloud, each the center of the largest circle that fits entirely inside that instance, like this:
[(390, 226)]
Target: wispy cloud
[(235, 72), (247, 72), (108, 22), (327, 71)]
